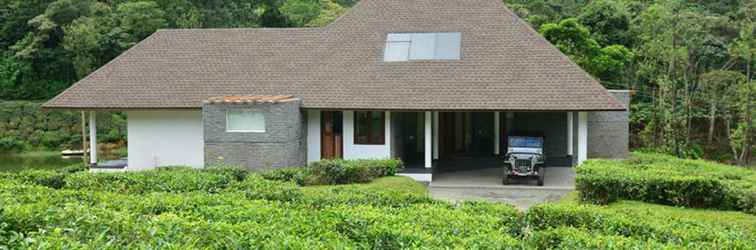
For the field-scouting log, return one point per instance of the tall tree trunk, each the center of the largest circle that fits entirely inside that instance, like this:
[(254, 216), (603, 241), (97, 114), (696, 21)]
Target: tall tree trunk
[(745, 153), (712, 122)]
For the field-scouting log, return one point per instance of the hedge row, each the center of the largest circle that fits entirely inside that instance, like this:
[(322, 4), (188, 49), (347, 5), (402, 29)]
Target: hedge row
[(642, 228), (329, 172), (662, 179), (35, 216), (226, 208)]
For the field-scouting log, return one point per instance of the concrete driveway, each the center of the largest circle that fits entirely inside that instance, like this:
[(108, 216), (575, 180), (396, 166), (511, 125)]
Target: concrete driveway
[(486, 184)]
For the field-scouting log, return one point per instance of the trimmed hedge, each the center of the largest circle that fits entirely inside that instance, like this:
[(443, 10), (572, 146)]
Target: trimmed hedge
[(251, 213), (181, 208), (329, 172), (643, 228), (663, 179)]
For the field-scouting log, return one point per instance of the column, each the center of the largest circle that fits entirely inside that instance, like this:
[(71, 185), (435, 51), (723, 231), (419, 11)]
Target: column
[(92, 138), (435, 135), (582, 139), (569, 133), (497, 132), (428, 140)]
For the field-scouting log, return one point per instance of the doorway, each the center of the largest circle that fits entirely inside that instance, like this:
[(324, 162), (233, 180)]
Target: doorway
[(466, 134), (409, 137), (331, 130)]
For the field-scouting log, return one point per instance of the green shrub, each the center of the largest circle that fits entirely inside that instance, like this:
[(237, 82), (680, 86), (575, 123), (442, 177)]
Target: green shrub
[(174, 180), (255, 187), (295, 174), (352, 171), (666, 230), (667, 180), (12, 145), (573, 238)]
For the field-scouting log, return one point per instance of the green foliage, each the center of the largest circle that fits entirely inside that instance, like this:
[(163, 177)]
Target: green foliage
[(352, 171), (24, 126), (663, 179), (609, 20), (175, 180), (665, 230), (575, 40), (326, 172), (297, 175), (12, 145), (251, 213), (227, 208)]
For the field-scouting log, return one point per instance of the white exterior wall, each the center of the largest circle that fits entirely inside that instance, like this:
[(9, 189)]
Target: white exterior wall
[(313, 135), (356, 151), (165, 138)]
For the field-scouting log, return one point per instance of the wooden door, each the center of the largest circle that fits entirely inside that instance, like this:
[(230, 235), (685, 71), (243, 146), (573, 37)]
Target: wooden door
[(330, 135)]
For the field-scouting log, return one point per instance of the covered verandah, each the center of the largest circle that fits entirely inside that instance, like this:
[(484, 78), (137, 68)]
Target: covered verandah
[(462, 146)]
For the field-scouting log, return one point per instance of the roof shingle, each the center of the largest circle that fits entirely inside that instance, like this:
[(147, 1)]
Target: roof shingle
[(505, 65)]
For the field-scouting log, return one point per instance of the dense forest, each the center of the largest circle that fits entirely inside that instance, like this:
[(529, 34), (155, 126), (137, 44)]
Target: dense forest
[(690, 62)]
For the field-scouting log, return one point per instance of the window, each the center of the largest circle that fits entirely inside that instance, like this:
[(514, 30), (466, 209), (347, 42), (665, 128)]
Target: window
[(369, 127), (245, 121), (422, 46)]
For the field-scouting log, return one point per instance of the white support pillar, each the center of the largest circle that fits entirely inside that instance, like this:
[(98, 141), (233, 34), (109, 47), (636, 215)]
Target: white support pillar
[(582, 149), (435, 135), (497, 133), (569, 133), (428, 140), (92, 138)]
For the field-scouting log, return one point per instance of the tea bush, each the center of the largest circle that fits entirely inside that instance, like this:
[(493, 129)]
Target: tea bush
[(161, 180), (329, 172), (227, 208), (644, 227), (251, 213), (663, 179)]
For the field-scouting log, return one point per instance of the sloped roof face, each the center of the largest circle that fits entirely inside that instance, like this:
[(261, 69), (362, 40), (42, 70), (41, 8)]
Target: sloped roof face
[(504, 65)]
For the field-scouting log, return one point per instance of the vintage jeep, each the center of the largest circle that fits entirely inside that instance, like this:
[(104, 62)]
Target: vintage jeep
[(524, 158)]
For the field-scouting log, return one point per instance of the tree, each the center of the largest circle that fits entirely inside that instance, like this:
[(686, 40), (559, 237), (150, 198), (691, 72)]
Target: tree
[(137, 20), (744, 48), (576, 41), (719, 93), (300, 12), (609, 21)]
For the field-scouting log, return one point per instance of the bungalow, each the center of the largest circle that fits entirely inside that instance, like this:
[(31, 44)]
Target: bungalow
[(427, 81)]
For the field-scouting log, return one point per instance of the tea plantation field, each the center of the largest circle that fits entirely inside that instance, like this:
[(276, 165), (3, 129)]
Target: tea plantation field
[(225, 208)]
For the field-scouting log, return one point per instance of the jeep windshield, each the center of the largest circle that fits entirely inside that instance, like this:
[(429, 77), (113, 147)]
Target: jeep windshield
[(525, 142)]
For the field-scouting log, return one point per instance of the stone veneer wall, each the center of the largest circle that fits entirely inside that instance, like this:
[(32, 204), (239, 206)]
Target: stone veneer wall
[(609, 132), (283, 144), (553, 125)]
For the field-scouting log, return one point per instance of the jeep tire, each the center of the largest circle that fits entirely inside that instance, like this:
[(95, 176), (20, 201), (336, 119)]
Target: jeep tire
[(541, 174)]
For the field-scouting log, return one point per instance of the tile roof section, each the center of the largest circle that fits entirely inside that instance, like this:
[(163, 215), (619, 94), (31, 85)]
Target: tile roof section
[(251, 99), (505, 65)]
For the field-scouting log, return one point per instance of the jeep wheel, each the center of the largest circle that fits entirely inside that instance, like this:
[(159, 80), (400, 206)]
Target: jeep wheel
[(541, 174), (505, 180)]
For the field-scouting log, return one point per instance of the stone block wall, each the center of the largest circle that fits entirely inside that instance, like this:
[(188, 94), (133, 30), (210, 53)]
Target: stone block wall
[(283, 144), (608, 132), (553, 125)]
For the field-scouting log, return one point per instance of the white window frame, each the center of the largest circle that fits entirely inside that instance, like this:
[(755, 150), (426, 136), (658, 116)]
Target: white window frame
[(262, 114)]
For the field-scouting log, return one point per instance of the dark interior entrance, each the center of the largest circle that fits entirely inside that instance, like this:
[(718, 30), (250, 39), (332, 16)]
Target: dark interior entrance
[(466, 134), (409, 137), (331, 146)]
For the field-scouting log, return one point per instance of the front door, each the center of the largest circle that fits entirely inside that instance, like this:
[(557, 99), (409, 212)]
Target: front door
[(331, 146)]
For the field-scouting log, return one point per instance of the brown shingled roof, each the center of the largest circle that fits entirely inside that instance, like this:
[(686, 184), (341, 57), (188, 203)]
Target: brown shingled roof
[(505, 65)]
